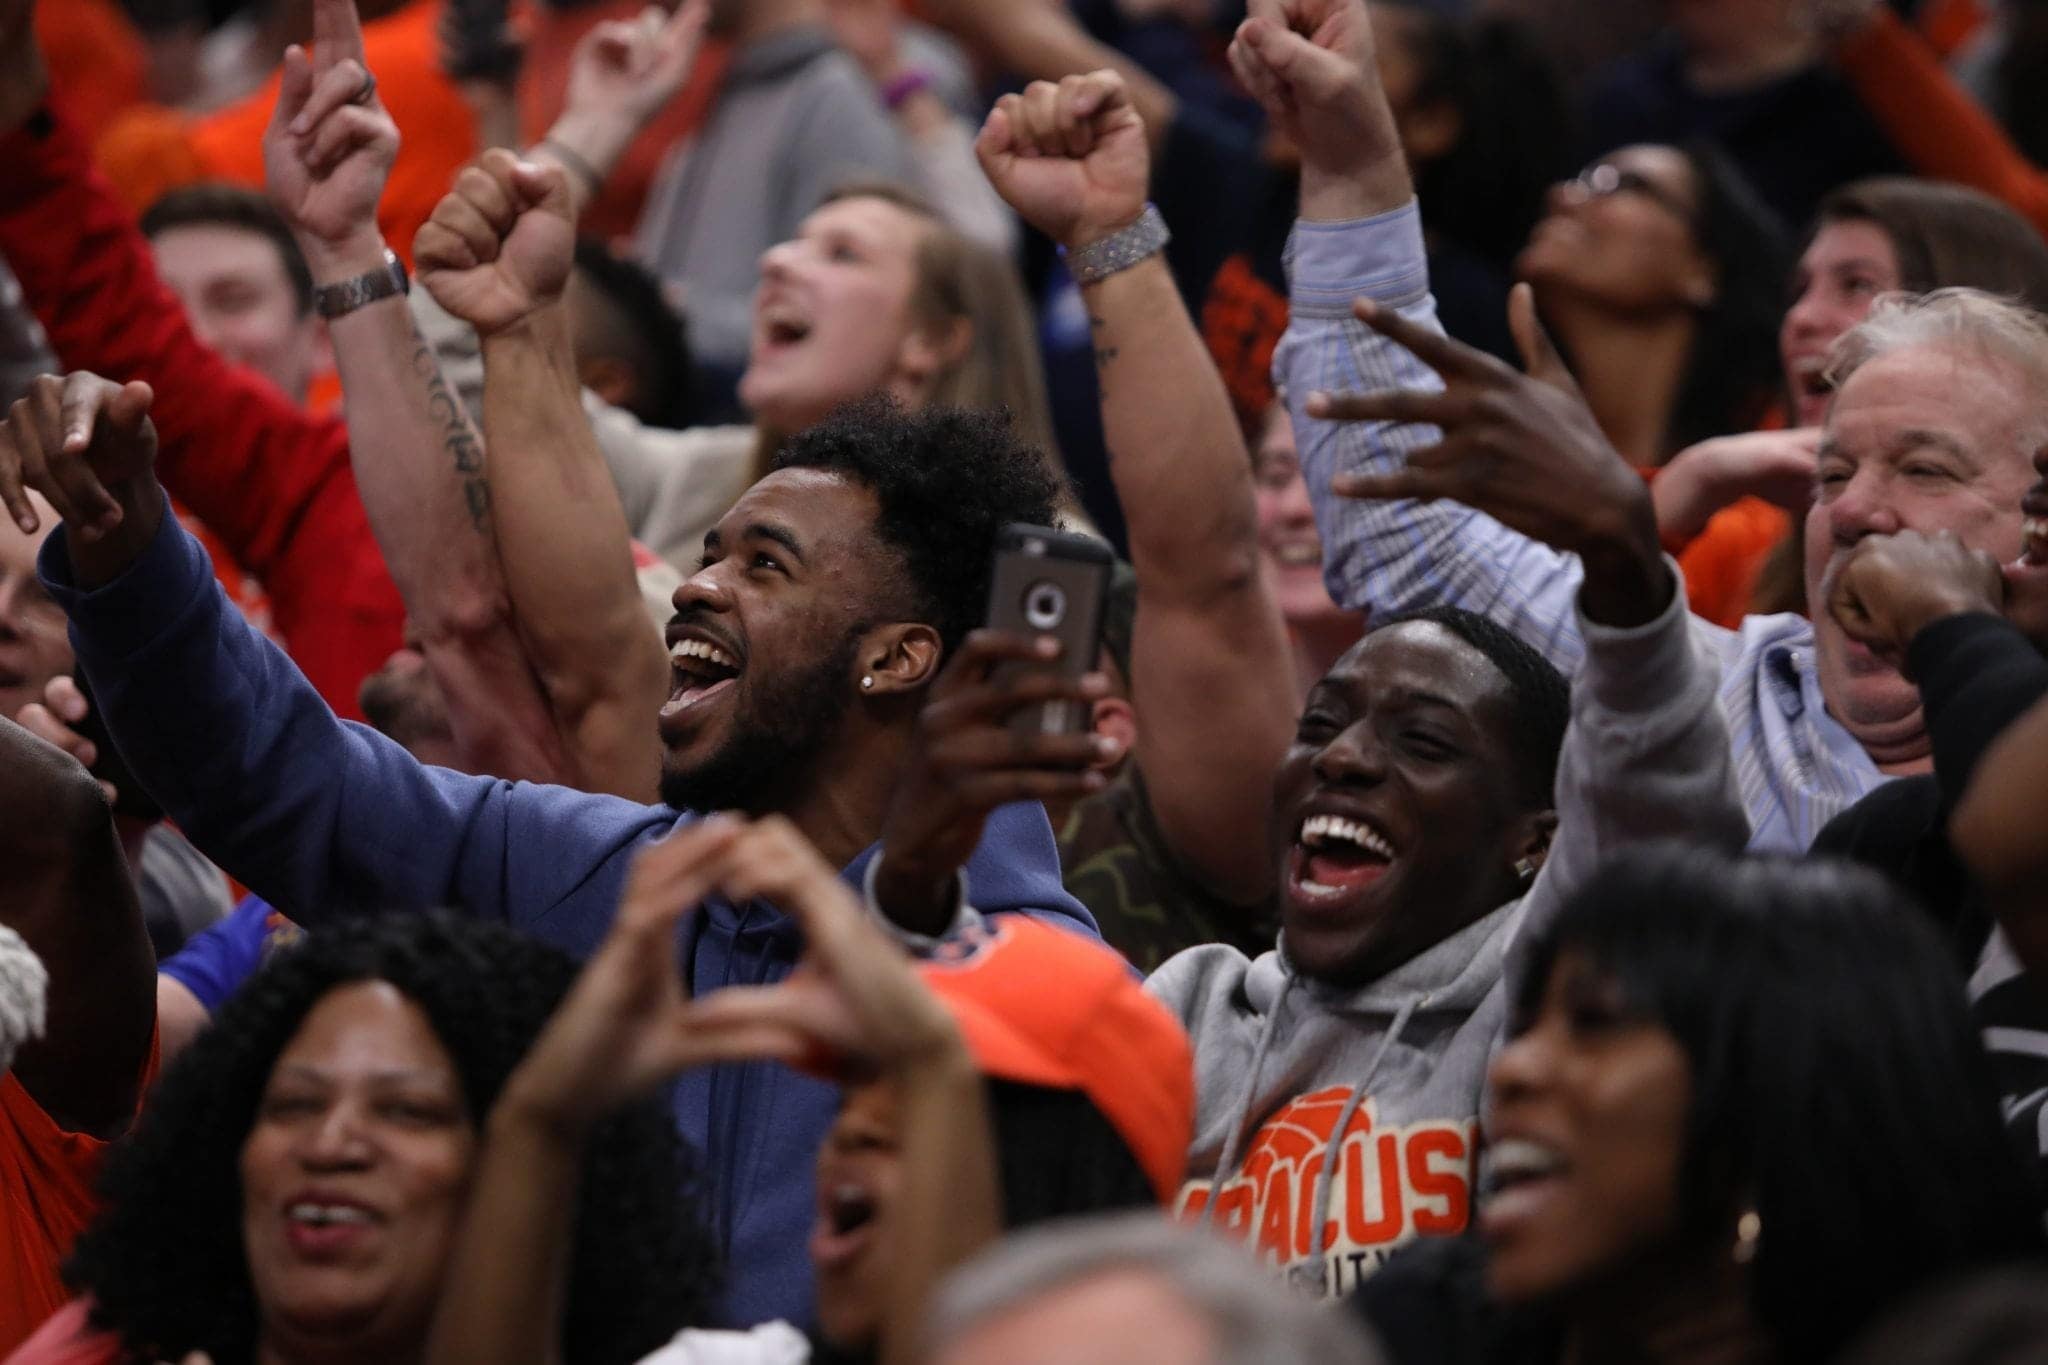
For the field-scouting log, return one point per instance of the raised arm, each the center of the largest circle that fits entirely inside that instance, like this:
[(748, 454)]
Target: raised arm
[(272, 480), (497, 254), (1211, 677), (419, 463), (1647, 753), (1311, 64)]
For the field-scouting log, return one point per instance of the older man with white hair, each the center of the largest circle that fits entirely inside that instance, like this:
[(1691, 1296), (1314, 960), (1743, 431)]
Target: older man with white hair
[(1938, 412), (1132, 1287)]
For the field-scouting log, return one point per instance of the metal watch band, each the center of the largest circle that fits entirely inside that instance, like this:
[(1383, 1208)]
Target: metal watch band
[(345, 296), (1120, 250)]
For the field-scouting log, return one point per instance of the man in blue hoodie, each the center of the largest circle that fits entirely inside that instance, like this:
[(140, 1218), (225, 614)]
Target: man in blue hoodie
[(802, 654)]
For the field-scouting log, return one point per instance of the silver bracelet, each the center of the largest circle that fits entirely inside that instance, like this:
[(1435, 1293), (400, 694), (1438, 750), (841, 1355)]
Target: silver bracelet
[(1120, 250), (345, 296)]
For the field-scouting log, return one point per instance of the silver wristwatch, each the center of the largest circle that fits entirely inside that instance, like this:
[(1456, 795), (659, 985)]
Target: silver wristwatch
[(345, 296), (1121, 250)]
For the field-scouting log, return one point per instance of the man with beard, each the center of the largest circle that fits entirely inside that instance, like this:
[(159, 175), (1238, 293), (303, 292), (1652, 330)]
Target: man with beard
[(803, 654)]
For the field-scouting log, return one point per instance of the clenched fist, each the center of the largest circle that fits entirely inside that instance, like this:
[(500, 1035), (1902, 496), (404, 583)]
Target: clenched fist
[(1070, 157), (500, 243)]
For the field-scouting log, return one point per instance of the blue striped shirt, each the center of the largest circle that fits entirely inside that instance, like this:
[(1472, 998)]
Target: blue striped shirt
[(1795, 765)]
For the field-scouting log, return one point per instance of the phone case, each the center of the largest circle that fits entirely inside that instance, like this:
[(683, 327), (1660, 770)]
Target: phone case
[(1049, 582)]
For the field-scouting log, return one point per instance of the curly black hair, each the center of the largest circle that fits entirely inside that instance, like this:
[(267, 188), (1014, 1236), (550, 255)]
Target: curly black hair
[(165, 1263), (947, 480), (1543, 697)]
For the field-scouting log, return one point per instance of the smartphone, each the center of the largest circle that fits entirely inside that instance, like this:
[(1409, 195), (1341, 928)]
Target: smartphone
[(1055, 583)]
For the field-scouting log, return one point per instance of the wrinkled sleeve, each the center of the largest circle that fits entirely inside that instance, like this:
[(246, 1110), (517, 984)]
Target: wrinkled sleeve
[(1384, 558)]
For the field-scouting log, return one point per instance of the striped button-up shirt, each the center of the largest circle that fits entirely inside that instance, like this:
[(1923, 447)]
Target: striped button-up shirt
[(1794, 763)]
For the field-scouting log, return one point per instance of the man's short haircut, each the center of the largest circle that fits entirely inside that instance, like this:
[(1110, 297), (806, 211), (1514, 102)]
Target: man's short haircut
[(1968, 321), (647, 330), (213, 203), (1254, 1318), (946, 479), (1542, 696)]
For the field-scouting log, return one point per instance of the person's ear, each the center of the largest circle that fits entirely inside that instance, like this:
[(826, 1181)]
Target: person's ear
[(609, 378), (903, 656), (1701, 284), (1114, 719), (930, 349), (1530, 844)]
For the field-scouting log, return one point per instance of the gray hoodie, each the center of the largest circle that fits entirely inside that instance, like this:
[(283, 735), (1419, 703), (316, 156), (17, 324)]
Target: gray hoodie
[(1398, 1066)]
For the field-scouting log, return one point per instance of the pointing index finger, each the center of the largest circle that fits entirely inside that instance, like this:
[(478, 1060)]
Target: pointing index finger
[(337, 33)]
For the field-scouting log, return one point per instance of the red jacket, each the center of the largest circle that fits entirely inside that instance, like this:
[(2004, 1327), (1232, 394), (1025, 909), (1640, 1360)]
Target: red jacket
[(270, 479)]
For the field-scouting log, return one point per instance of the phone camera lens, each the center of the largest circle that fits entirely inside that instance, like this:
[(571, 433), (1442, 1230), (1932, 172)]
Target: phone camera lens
[(1045, 606)]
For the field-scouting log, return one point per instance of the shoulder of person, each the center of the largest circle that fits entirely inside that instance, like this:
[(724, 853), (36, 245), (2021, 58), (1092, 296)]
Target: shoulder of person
[(1210, 978)]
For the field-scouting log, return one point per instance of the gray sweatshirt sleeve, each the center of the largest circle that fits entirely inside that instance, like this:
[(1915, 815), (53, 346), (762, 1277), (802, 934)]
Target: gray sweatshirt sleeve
[(1646, 757)]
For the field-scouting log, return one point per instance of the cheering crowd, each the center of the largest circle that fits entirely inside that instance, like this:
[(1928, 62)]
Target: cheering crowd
[(530, 829)]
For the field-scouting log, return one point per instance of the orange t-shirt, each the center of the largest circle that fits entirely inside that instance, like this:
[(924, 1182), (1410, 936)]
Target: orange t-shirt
[(1722, 562), (152, 150), (46, 1199)]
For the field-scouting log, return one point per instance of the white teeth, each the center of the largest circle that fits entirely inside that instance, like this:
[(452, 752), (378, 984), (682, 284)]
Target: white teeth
[(702, 649), (321, 1215), (2034, 532), (1519, 1159), (1320, 831), (1298, 554)]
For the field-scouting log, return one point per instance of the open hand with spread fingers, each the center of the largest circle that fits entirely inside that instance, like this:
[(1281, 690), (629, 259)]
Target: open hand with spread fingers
[(500, 243), (1524, 450), (1885, 589)]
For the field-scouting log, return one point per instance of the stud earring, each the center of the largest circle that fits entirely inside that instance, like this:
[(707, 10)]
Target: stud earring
[(1525, 868), (867, 681), (1748, 1229)]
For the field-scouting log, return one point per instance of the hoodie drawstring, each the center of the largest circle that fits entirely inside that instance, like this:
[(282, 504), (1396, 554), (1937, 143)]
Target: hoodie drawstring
[(1228, 1156), (1334, 1153)]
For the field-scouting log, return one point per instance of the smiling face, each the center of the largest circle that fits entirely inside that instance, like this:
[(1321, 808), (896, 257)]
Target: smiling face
[(240, 301), (1586, 1133), (833, 317), (1397, 812), (762, 646), (1620, 237), (1289, 546), (860, 1171), (1843, 270), (1929, 438), (355, 1173), (34, 644)]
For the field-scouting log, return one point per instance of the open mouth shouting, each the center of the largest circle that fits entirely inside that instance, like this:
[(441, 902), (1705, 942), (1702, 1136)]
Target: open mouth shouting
[(1522, 1177), (845, 1226), (703, 670), (1335, 858)]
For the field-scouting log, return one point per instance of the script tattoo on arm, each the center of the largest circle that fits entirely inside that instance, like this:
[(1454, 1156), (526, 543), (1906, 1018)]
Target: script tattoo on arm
[(459, 436), (1104, 355)]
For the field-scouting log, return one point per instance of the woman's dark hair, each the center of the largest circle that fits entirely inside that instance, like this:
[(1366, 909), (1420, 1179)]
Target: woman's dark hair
[(1838, 1085), (165, 1264), (1057, 1156), (1732, 374), (1515, 134)]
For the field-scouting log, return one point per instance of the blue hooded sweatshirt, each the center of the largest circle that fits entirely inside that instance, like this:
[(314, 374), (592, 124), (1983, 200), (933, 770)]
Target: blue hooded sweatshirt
[(327, 817)]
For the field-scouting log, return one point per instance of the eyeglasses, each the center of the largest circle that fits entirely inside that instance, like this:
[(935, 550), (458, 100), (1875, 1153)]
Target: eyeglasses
[(1604, 178)]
